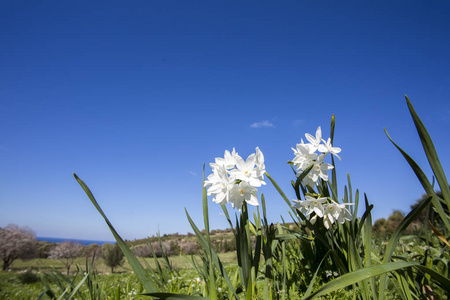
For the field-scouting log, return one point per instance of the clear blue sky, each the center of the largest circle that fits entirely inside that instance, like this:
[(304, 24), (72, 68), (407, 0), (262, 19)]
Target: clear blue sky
[(136, 96)]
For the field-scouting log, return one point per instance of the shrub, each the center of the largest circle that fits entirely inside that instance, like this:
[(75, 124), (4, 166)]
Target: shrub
[(188, 247), (28, 277), (142, 251), (112, 255)]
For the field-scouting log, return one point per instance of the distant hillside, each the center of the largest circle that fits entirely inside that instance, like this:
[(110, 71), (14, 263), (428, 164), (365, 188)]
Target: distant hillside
[(176, 244), (385, 227)]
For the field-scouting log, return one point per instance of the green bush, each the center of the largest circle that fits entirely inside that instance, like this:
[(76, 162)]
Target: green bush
[(112, 255), (28, 277)]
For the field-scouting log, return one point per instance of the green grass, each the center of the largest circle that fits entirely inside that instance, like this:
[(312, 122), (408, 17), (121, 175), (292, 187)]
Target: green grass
[(123, 277), (46, 264), (12, 288)]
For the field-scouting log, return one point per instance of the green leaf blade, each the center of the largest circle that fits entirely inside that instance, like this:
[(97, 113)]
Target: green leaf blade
[(146, 281)]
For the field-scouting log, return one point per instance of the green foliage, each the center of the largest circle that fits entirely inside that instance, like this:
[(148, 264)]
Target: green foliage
[(43, 249), (144, 277), (28, 277)]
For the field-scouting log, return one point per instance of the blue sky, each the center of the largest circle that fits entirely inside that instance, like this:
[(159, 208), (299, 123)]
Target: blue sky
[(134, 97)]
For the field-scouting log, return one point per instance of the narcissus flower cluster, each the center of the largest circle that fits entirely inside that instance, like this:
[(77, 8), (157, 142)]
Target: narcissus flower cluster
[(320, 207), (305, 156), (324, 208), (235, 180)]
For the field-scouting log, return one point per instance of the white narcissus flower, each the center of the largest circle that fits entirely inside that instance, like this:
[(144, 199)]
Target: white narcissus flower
[(235, 180), (304, 156), (345, 213), (310, 205), (307, 180), (243, 192), (229, 159), (246, 171), (326, 147), (332, 211), (326, 222), (315, 141), (259, 159), (260, 164), (320, 169), (337, 212), (219, 184)]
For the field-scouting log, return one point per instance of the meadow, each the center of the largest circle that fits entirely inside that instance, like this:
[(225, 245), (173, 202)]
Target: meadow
[(324, 250), (26, 278)]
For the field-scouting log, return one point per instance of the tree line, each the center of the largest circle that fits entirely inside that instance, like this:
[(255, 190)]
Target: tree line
[(20, 243), (383, 228)]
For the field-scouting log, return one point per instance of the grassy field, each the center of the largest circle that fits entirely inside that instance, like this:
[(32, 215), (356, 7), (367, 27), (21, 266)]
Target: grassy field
[(122, 284), (12, 286), (41, 264)]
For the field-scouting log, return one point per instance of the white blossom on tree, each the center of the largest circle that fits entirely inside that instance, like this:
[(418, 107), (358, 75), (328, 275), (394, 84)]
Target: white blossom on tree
[(16, 242), (66, 252)]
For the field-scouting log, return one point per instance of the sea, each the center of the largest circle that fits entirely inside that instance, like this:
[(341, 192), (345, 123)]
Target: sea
[(62, 240)]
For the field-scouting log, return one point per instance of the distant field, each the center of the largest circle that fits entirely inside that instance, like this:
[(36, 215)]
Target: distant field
[(45, 264)]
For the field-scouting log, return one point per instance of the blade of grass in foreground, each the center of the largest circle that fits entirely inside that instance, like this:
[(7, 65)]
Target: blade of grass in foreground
[(368, 242), (278, 189), (146, 281), (439, 278), (425, 183), (313, 280), (77, 287), (212, 279), (431, 153), (396, 236), (356, 276)]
